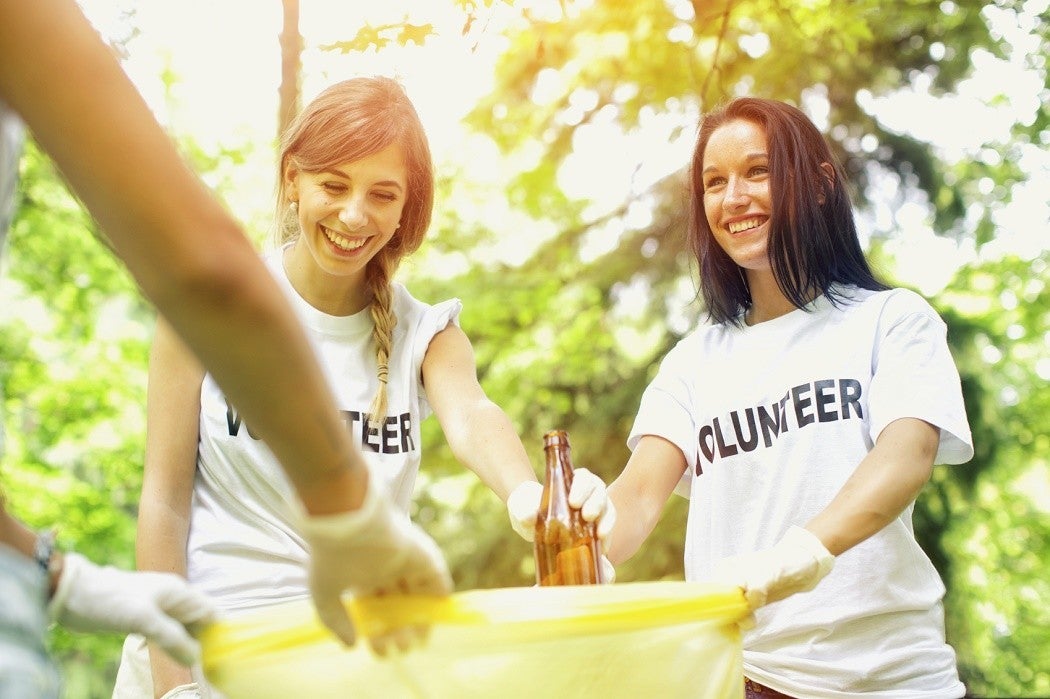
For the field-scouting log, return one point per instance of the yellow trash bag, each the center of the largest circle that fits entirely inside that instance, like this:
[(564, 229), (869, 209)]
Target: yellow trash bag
[(651, 639)]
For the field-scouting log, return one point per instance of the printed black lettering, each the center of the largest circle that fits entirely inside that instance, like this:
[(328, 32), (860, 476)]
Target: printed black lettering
[(770, 423), (352, 418), (390, 435), (233, 423), (724, 449), (849, 394), (706, 440), (811, 403), (407, 444), (825, 392), (802, 401), (751, 441), (233, 420), (368, 432)]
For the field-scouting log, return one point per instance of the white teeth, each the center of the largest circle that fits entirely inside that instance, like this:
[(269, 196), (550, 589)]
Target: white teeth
[(738, 226), (341, 242)]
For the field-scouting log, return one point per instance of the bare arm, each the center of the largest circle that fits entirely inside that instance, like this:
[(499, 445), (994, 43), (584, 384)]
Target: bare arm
[(189, 256), (14, 534), (888, 479), (641, 491), (172, 415), (478, 431)]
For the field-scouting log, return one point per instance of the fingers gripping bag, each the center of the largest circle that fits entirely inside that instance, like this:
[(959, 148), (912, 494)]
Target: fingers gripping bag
[(660, 639)]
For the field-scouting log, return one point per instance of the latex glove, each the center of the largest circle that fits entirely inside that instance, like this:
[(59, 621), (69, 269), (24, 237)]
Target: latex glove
[(184, 691), (795, 564), (588, 494), (608, 571), (156, 605), (523, 505), (374, 550)]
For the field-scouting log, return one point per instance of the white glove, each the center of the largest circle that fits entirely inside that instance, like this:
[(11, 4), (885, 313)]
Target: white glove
[(184, 691), (374, 550), (608, 571), (588, 494), (156, 605), (523, 505), (795, 564)]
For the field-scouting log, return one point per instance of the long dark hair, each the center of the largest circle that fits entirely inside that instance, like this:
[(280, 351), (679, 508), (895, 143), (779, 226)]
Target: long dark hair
[(813, 241)]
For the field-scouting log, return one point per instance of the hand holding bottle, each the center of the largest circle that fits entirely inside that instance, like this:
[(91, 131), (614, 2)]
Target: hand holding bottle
[(590, 495), (523, 505), (567, 547), (587, 494)]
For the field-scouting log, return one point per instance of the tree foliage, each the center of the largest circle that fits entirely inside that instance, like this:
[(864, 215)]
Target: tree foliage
[(73, 349), (568, 335), (569, 339)]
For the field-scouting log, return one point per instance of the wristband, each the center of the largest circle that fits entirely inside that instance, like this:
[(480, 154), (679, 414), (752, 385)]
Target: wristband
[(44, 549), (44, 555)]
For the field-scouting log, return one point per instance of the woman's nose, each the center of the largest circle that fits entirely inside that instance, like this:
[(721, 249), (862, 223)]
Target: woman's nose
[(353, 214), (736, 194)]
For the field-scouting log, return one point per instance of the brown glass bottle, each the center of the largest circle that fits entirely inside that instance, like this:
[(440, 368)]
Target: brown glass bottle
[(567, 548)]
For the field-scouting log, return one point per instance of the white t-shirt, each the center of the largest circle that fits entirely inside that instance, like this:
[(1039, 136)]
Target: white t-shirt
[(243, 548), (12, 132), (772, 420)]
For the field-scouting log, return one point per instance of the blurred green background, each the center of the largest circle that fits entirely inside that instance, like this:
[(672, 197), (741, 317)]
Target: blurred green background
[(560, 132)]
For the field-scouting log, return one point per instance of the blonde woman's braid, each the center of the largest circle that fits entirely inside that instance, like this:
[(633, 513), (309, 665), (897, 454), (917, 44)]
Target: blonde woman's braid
[(383, 333)]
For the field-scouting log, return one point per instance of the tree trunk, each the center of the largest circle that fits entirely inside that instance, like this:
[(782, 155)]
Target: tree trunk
[(291, 58)]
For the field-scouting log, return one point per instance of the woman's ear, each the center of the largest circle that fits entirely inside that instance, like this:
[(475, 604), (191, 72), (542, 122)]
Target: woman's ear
[(829, 175), (291, 182)]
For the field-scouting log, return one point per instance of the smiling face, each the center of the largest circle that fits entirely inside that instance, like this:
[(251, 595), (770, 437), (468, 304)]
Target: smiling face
[(346, 214), (736, 192)]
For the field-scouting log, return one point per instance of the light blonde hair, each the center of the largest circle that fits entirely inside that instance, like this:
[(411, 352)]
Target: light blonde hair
[(348, 121)]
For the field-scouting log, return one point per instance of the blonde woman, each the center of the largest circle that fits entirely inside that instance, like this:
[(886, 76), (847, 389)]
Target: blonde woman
[(354, 198), (193, 260)]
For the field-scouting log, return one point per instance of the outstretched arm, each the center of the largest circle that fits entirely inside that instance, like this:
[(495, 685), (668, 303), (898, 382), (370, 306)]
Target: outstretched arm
[(87, 597), (479, 433), (885, 482), (889, 479), (641, 491), (189, 256), (194, 262)]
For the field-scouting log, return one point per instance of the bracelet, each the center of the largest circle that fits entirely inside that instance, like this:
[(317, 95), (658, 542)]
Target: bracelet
[(49, 559), (44, 550)]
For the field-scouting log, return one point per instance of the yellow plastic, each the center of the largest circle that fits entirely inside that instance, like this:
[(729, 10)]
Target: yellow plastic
[(656, 639)]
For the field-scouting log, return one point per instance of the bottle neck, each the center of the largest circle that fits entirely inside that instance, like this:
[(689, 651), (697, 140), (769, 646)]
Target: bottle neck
[(558, 462)]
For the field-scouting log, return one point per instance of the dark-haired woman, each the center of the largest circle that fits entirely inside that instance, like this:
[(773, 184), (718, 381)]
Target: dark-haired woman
[(803, 420)]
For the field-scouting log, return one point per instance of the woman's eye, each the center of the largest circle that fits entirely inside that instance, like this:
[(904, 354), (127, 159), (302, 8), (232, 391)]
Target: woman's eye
[(759, 170), (334, 187), (714, 182), (385, 196)]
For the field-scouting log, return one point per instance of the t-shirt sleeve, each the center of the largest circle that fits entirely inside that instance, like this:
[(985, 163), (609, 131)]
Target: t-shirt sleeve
[(11, 135), (665, 411), (915, 376), (432, 321)]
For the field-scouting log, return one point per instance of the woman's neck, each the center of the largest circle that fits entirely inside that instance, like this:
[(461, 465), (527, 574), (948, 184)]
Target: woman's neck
[(334, 295), (768, 302)]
